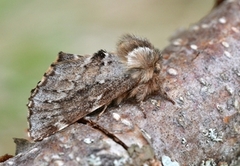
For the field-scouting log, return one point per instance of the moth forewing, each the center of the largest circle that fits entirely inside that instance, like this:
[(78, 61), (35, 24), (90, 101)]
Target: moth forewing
[(73, 87)]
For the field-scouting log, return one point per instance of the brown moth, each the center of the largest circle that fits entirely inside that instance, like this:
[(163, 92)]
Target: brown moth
[(75, 85)]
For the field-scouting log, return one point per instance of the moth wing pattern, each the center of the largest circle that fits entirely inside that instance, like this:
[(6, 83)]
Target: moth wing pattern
[(73, 87)]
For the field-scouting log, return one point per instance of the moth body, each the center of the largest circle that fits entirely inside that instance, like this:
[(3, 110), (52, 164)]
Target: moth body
[(75, 85)]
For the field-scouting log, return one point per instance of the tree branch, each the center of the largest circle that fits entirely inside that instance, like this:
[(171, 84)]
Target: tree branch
[(202, 75)]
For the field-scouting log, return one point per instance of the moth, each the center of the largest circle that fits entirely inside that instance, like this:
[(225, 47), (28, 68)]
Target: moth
[(76, 85)]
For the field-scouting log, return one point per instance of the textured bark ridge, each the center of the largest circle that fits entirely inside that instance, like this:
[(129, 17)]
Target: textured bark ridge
[(201, 68)]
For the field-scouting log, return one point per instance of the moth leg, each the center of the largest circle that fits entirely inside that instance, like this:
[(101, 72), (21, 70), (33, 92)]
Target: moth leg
[(166, 97), (142, 109), (104, 109)]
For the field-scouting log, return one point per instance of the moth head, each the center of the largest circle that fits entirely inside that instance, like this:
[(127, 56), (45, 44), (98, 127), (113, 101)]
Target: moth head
[(139, 57), (144, 63)]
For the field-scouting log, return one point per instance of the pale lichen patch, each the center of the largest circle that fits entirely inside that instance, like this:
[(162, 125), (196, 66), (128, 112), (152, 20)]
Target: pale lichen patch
[(222, 20), (172, 71), (194, 47)]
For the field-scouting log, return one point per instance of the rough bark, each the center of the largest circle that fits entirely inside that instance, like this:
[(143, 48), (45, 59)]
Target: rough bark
[(202, 75)]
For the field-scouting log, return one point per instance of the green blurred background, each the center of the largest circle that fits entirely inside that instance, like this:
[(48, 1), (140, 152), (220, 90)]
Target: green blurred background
[(33, 32)]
